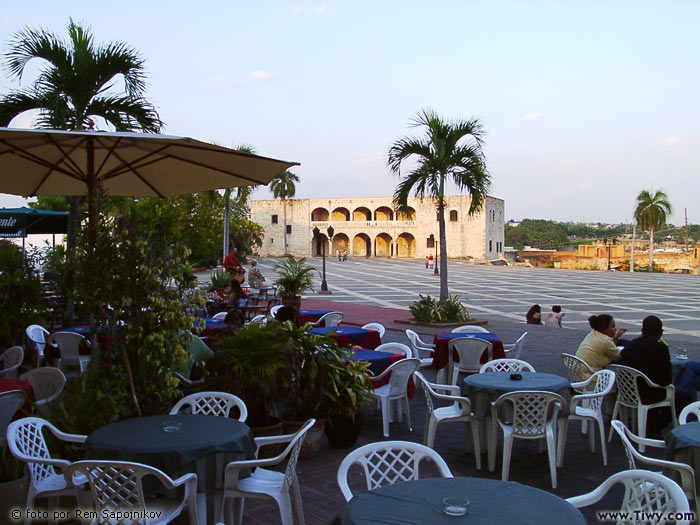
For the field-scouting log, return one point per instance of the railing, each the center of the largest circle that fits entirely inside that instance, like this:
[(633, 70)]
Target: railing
[(363, 224)]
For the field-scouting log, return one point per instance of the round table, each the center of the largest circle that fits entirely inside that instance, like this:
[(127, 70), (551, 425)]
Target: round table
[(683, 446), (491, 501), (347, 336)]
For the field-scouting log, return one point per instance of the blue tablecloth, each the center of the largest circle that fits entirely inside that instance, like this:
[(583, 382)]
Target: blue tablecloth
[(316, 314), (682, 436), (378, 361), (485, 336), (677, 364), (357, 335), (490, 501), (500, 383)]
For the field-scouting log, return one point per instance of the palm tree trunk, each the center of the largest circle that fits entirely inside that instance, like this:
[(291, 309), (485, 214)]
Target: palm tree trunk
[(71, 242), (444, 292), (651, 249), (634, 234), (284, 205)]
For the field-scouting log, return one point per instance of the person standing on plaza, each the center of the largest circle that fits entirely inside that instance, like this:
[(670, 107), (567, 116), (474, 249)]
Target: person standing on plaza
[(231, 261), (345, 255), (340, 256), (599, 348)]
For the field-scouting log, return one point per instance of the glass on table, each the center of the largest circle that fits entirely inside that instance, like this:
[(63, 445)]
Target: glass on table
[(170, 425), (682, 353), (455, 506)]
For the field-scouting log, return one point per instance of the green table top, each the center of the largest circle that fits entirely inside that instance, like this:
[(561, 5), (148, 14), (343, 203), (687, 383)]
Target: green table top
[(143, 440)]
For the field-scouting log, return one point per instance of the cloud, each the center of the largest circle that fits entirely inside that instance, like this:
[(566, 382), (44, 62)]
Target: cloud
[(219, 83), (320, 8), (670, 140), (261, 76), (534, 115)]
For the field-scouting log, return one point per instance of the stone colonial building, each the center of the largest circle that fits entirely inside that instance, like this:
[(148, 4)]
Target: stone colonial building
[(369, 227)]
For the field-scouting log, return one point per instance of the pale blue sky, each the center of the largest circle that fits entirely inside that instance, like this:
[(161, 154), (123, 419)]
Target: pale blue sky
[(585, 103)]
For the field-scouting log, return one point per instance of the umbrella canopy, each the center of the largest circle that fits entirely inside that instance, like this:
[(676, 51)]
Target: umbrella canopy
[(51, 162), (20, 222)]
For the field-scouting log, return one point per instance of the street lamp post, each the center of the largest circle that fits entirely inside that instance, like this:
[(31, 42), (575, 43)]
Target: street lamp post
[(436, 272), (316, 232)]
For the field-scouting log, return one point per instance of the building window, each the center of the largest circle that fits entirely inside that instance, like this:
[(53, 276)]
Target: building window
[(271, 240), (490, 246), (289, 229), (453, 216), (430, 242), (274, 219)]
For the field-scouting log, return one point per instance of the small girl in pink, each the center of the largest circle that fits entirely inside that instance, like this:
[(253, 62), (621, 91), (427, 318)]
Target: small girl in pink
[(554, 318)]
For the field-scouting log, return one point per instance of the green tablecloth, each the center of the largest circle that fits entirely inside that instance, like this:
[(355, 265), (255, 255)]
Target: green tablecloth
[(491, 501), (143, 440)]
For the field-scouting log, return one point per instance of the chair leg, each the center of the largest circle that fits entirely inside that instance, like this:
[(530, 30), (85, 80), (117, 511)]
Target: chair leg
[(386, 414), (238, 511), (430, 432), (218, 505), (507, 449), (285, 504), (476, 438), (493, 441), (552, 452), (404, 400), (202, 506), (296, 495), (601, 432), (614, 416), (561, 440), (642, 425)]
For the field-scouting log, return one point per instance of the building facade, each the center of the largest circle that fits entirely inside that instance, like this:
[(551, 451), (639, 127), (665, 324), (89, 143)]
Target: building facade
[(369, 227)]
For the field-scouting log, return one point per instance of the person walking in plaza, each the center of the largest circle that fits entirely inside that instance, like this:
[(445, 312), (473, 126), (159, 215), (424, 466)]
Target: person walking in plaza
[(340, 256), (599, 348), (345, 255)]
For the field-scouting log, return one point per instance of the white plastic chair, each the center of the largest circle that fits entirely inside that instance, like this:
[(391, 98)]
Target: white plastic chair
[(47, 383), (212, 404), (375, 326), (275, 309), (26, 442), (118, 486), (221, 316), (37, 337), (534, 415), (469, 350), (329, 319), (644, 491), (578, 371), (71, 362), (692, 408), (260, 319), (425, 352), (263, 483), (10, 402), (388, 462), (395, 390), (628, 396), (506, 365), (686, 472), (459, 410), (10, 360), (515, 349), (470, 329), (395, 348), (589, 407)]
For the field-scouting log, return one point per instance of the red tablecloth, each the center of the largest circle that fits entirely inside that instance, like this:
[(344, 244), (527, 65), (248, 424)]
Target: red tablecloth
[(410, 388), (356, 336), (7, 385), (441, 342)]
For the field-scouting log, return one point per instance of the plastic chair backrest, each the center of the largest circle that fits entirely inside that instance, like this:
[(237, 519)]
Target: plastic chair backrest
[(470, 329), (519, 343), (69, 345), (531, 411), (26, 441), (260, 319), (395, 348), (691, 409), (506, 365), (10, 402), (274, 309), (212, 404), (375, 326), (11, 360), (401, 372), (330, 319), (388, 462), (47, 382), (37, 336), (605, 380), (220, 315), (469, 350), (575, 366), (627, 387)]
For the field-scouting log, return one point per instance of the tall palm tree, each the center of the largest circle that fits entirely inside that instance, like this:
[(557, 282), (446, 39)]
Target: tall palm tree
[(450, 150), (283, 187), (77, 84), (650, 213)]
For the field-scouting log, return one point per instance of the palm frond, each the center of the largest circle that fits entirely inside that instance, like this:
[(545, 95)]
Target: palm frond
[(125, 113)]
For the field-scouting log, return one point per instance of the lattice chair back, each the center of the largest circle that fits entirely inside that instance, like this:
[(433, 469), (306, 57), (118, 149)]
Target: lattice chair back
[(644, 491), (116, 485), (506, 365), (388, 462), (691, 409), (428, 391), (10, 360), (531, 410), (37, 336), (293, 449), (576, 366), (418, 345), (630, 451), (627, 387), (375, 326), (26, 441), (401, 372), (605, 380), (212, 404), (470, 329), (469, 351), (395, 348), (9, 405), (330, 319)]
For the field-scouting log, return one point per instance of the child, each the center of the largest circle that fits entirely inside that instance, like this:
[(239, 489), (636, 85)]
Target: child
[(554, 318)]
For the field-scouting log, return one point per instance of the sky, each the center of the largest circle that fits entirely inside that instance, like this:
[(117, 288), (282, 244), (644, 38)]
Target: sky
[(585, 103)]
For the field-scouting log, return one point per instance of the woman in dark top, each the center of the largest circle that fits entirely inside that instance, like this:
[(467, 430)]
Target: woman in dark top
[(534, 314)]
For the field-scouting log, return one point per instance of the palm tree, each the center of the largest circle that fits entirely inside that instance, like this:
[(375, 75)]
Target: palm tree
[(76, 85), (650, 213), (283, 187), (450, 149)]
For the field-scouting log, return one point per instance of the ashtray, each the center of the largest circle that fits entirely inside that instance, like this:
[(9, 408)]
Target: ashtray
[(516, 377), (455, 506), (171, 426), (682, 357)]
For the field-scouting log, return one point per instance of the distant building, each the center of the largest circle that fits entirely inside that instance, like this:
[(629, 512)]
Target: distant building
[(369, 227)]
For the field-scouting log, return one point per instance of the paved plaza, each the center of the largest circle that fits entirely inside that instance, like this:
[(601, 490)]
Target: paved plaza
[(506, 293)]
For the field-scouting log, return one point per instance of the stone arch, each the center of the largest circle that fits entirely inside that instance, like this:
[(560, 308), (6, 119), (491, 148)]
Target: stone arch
[(317, 245), (340, 214), (319, 214), (383, 213), (405, 245), (361, 245), (362, 214), (383, 247), (341, 242), (408, 215)]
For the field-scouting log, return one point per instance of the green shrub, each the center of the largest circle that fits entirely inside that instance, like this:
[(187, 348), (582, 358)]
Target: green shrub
[(428, 310)]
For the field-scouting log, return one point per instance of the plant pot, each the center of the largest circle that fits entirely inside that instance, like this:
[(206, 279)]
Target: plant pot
[(312, 441), (342, 431), (273, 429), (292, 301), (13, 495)]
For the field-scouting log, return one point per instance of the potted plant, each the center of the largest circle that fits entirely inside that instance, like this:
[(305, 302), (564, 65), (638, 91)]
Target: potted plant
[(221, 280), (14, 481), (295, 277)]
